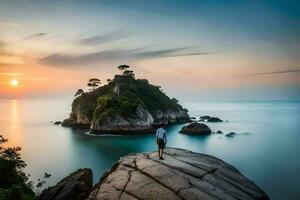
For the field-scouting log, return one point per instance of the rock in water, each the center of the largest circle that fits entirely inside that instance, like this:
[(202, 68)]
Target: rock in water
[(231, 134), (196, 128), (205, 117), (57, 123), (181, 175), (210, 119), (214, 119), (76, 186)]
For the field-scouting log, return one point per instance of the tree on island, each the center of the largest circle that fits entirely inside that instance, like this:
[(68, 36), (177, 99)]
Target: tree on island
[(128, 73), (94, 83), (125, 70), (79, 92)]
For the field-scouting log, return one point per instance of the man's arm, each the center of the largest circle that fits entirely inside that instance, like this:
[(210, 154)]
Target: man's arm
[(165, 137)]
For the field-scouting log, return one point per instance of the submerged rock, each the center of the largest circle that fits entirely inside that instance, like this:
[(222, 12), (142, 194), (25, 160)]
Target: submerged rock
[(181, 175), (231, 134), (219, 132), (57, 123), (76, 186), (196, 128)]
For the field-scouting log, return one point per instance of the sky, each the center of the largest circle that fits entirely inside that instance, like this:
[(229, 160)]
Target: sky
[(195, 50)]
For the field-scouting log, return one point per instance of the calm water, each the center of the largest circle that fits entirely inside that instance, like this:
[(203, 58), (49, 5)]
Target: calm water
[(266, 148)]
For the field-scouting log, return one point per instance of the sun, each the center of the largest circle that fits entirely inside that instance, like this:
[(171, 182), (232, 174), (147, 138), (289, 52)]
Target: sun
[(14, 82)]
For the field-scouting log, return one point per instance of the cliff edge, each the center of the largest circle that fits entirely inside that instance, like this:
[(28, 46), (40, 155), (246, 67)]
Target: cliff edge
[(181, 175)]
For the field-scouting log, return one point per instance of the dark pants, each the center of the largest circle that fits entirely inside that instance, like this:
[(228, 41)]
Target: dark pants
[(161, 143)]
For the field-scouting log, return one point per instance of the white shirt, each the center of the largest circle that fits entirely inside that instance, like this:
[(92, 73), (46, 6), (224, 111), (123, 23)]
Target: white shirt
[(161, 134)]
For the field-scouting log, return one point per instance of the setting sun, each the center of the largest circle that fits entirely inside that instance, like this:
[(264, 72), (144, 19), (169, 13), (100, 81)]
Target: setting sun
[(14, 82)]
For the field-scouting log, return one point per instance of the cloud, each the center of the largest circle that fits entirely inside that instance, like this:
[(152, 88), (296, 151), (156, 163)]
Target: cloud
[(36, 36), (10, 24), (273, 72), (175, 52), (6, 58), (104, 38), (117, 55)]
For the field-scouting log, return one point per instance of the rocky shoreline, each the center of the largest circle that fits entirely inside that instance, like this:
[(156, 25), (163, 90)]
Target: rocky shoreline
[(181, 175)]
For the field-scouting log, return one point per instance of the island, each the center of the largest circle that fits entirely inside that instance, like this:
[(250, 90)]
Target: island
[(124, 105), (181, 175)]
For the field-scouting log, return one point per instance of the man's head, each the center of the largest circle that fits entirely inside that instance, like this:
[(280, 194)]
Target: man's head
[(161, 125)]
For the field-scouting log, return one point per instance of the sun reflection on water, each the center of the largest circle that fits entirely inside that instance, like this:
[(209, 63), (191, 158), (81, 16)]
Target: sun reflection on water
[(15, 132)]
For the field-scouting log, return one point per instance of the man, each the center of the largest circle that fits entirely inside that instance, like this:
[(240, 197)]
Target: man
[(161, 140)]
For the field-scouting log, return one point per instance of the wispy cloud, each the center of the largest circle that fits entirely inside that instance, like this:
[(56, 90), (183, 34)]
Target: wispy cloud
[(103, 38), (36, 36), (272, 72), (10, 24), (117, 55), (175, 52)]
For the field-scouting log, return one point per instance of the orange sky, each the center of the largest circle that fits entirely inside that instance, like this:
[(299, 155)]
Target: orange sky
[(56, 53)]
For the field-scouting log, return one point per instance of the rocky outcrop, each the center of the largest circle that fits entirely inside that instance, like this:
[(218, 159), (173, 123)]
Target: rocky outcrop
[(207, 118), (196, 128), (181, 175), (141, 122), (214, 119), (76, 186), (125, 105)]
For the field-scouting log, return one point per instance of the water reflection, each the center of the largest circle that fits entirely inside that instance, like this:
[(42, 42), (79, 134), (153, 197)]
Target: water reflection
[(15, 132)]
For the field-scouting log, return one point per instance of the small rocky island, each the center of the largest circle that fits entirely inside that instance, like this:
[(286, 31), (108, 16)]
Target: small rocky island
[(181, 175), (124, 105)]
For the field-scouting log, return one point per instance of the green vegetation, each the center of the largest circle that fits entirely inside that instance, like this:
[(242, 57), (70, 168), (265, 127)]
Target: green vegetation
[(14, 183), (122, 96)]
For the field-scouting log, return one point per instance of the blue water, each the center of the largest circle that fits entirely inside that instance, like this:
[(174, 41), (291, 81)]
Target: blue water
[(266, 148)]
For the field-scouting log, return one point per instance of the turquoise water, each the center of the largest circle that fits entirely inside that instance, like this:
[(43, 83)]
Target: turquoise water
[(266, 148)]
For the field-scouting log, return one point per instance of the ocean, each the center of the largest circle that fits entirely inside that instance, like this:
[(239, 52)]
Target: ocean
[(265, 148)]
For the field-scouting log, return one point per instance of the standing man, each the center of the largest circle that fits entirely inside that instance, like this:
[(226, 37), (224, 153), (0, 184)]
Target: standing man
[(161, 140)]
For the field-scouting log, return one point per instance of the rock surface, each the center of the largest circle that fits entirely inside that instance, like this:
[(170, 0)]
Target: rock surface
[(76, 186), (196, 128), (181, 175)]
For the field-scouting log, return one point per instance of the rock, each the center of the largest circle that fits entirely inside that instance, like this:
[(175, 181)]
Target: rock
[(214, 119), (69, 122), (210, 119), (141, 122), (219, 132), (181, 175), (76, 186), (196, 128), (205, 117), (57, 123), (231, 134)]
